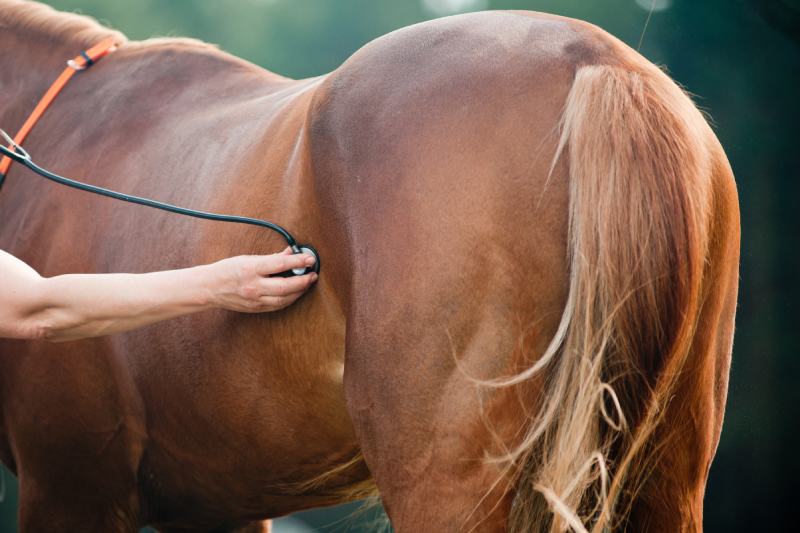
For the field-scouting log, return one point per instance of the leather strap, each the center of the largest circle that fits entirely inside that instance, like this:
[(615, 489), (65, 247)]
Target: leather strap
[(81, 62)]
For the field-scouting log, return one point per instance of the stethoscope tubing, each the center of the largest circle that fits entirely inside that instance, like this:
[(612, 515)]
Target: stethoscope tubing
[(21, 156)]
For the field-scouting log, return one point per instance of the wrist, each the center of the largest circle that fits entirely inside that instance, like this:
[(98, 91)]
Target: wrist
[(207, 281)]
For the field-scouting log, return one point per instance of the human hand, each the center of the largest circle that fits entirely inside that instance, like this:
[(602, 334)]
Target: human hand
[(244, 284)]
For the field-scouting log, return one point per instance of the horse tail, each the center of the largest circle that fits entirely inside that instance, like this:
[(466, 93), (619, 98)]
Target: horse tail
[(639, 182)]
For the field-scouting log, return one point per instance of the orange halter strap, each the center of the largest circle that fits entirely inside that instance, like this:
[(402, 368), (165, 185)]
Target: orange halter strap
[(81, 62)]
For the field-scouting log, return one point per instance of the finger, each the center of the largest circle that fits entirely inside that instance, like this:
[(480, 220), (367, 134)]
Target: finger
[(272, 264), (273, 303), (286, 286)]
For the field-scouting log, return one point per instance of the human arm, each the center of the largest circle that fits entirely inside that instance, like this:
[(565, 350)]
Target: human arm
[(75, 306)]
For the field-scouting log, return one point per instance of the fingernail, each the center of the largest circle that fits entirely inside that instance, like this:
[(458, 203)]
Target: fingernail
[(314, 276), (310, 260)]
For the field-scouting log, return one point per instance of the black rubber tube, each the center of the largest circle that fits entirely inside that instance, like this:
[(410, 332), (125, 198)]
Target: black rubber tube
[(23, 158)]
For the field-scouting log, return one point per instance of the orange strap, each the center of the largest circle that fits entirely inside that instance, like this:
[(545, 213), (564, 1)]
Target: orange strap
[(82, 62)]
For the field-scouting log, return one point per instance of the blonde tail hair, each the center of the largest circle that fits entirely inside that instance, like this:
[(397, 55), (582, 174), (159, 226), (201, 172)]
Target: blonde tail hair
[(639, 201)]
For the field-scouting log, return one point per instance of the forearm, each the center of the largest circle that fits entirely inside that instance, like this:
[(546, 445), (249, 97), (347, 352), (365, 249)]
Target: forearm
[(77, 306)]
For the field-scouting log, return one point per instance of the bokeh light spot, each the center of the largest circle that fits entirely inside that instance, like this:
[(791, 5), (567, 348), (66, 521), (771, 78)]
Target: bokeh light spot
[(449, 7), (655, 5)]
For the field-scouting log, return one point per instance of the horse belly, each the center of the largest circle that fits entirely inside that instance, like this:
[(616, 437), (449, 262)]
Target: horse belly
[(242, 410)]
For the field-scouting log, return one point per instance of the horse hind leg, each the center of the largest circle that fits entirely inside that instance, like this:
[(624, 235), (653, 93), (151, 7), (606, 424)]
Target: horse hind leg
[(672, 496), (423, 439), (428, 431)]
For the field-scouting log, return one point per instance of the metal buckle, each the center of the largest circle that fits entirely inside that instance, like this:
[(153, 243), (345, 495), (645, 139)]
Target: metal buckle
[(9, 141), (14, 146), (71, 63)]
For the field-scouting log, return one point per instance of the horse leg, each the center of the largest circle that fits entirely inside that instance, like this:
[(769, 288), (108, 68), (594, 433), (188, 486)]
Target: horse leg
[(427, 430), (672, 496), (422, 437), (76, 436), (79, 509)]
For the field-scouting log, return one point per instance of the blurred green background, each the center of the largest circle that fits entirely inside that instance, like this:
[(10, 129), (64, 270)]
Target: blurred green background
[(739, 57)]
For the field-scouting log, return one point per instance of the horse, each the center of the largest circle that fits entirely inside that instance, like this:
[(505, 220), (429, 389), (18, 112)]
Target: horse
[(529, 239)]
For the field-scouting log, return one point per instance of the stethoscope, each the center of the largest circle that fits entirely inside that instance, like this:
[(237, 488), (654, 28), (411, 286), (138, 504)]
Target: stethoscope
[(19, 155)]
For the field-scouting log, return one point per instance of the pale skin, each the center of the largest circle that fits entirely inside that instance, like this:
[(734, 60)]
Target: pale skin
[(79, 306)]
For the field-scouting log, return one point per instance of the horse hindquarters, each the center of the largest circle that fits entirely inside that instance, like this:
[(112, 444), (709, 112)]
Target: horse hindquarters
[(647, 301), (455, 246)]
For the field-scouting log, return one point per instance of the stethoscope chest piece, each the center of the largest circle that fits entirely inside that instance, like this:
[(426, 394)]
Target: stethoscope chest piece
[(310, 250)]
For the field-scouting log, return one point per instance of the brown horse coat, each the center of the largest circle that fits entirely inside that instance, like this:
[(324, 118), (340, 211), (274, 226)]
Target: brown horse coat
[(420, 169)]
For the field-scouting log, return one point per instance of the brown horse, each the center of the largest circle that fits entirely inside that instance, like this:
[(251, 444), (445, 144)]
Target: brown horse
[(529, 238)]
